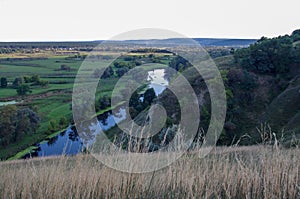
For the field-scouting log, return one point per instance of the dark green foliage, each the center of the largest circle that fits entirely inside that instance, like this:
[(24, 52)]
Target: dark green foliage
[(63, 121), (53, 126), (23, 89), (149, 96), (179, 63), (296, 35), (107, 73), (3, 82), (35, 80), (27, 79), (134, 100), (57, 125), (241, 79), (128, 58), (104, 102), (136, 105), (121, 71), (296, 52), (122, 64), (14, 123), (17, 82), (43, 83), (267, 55)]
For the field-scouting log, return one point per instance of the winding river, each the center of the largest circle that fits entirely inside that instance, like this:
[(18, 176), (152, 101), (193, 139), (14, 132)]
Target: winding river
[(69, 143)]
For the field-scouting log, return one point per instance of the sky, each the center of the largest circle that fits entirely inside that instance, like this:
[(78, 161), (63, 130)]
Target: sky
[(77, 20)]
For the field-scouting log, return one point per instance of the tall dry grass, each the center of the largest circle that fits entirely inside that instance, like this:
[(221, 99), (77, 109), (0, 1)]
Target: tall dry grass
[(235, 172)]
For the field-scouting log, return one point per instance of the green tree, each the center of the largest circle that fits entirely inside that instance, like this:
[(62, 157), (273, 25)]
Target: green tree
[(122, 71), (296, 35), (23, 89), (104, 102), (63, 121), (3, 82), (35, 78), (179, 63), (43, 83), (27, 122), (267, 55), (108, 73), (14, 123), (149, 96), (7, 123), (17, 82), (53, 126)]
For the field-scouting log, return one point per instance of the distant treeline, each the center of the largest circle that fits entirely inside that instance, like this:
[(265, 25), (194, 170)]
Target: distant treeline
[(45, 45), (88, 45)]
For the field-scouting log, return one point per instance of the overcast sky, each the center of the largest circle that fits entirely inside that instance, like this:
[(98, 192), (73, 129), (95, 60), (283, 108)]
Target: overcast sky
[(72, 20)]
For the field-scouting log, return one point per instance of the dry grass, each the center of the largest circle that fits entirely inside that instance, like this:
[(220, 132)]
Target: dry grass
[(235, 172)]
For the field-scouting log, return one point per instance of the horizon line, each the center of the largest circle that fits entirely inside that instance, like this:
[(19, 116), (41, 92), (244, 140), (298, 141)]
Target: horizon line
[(101, 40)]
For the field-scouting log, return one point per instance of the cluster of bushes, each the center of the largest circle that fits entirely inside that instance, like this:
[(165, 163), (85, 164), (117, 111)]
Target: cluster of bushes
[(103, 103), (179, 64), (56, 125), (15, 123), (219, 52), (22, 84), (35, 80), (122, 67), (76, 57), (107, 73)]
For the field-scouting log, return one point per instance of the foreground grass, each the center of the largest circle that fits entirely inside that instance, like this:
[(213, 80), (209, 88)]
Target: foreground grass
[(246, 172)]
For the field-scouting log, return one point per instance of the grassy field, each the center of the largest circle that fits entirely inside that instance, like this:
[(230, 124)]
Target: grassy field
[(53, 101), (232, 172)]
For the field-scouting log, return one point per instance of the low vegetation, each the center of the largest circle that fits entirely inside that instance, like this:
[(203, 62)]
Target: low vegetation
[(230, 172)]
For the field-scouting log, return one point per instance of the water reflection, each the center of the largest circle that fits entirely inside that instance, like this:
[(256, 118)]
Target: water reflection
[(68, 142)]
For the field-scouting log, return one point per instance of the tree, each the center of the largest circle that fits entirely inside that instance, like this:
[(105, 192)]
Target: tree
[(63, 121), (108, 73), (35, 78), (27, 79), (3, 82), (122, 71), (149, 96), (134, 100), (179, 63), (27, 122), (104, 102), (17, 82), (53, 126), (14, 123), (43, 83), (23, 89), (267, 55), (296, 35), (7, 123)]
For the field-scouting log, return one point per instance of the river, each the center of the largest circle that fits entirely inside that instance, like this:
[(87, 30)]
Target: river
[(69, 143)]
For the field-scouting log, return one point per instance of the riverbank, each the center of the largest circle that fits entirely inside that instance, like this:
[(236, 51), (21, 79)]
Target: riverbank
[(33, 148)]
